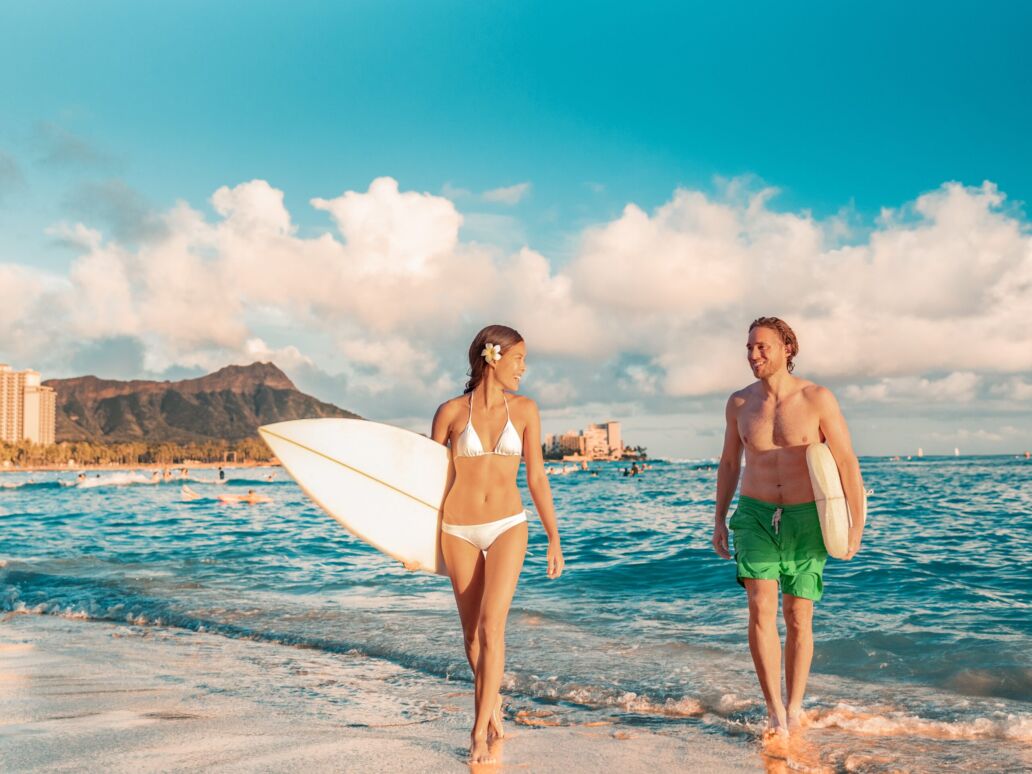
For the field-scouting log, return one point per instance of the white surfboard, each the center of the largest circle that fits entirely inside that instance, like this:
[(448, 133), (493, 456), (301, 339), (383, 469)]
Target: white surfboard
[(383, 484), (831, 500)]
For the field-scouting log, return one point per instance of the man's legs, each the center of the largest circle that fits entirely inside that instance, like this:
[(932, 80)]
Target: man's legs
[(765, 646), (798, 651)]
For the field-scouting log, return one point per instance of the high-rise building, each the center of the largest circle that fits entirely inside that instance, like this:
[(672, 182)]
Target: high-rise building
[(595, 442), (27, 407), (570, 442), (613, 437)]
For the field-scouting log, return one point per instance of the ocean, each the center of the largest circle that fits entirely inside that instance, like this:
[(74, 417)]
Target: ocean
[(923, 642)]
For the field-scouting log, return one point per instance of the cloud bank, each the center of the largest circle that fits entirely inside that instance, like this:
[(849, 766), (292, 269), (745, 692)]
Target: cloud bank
[(929, 305)]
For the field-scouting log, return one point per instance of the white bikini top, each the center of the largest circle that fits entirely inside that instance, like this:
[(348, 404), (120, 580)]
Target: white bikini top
[(468, 443)]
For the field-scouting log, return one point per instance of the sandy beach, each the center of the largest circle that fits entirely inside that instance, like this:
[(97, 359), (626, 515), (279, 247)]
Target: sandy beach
[(91, 696)]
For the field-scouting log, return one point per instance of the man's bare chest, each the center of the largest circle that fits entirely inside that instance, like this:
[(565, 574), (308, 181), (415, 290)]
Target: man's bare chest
[(769, 425)]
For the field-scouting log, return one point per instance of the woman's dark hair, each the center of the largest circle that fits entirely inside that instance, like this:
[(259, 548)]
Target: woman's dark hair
[(492, 334)]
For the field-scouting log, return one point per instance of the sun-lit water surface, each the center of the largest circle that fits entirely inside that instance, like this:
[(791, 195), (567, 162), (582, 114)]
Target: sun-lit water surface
[(923, 641)]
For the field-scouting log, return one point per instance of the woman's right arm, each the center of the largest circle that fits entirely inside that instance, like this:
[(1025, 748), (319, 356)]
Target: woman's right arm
[(442, 424), (440, 432)]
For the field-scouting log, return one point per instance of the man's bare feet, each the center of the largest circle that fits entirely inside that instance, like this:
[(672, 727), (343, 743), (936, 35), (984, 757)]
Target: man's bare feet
[(494, 725), (479, 751)]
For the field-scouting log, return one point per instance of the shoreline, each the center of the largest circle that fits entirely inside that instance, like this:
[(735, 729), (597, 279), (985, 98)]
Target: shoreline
[(58, 468), (102, 696)]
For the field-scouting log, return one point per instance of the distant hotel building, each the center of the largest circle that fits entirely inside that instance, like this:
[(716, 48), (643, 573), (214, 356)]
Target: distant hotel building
[(27, 408), (598, 442)]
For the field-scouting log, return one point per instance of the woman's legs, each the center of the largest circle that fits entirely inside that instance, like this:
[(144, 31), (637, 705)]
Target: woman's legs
[(501, 574), (466, 567)]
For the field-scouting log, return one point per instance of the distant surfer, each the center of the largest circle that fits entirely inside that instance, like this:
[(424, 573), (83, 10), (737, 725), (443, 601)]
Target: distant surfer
[(252, 497), (777, 533), (483, 545)]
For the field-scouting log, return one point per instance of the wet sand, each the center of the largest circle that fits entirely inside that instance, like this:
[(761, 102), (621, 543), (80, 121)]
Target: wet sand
[(78, 695)]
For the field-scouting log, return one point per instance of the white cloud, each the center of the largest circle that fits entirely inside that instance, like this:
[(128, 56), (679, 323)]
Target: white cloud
[(941, 286), (288, 357), (392, 358), (389, 231), (958, 387), (963, 434), (102, 302), (25, 293), (499, 231), (1014, 388), (254, 208), (454, 192), (512, 194)]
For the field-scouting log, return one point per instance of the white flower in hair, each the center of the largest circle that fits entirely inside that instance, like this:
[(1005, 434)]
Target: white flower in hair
[(492, 353)]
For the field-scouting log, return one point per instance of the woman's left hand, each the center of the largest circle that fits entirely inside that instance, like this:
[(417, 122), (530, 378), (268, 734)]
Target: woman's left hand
[(555, 559)]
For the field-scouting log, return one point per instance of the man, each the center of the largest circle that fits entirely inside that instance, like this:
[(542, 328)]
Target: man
[(777, 534)]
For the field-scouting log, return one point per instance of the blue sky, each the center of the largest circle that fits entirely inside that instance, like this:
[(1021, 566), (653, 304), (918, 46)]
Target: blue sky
[(114, 111)]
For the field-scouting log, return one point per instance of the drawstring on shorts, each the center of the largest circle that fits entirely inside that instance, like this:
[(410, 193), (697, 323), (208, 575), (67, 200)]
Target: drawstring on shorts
[(775, 522)]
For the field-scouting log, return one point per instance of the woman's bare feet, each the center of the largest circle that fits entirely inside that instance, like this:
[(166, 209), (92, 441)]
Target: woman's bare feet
[(777, 724), (479, 752), (494, 725), (775, 736), (797, 720)]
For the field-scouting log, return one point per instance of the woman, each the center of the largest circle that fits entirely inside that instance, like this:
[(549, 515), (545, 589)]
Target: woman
[(484, 530)]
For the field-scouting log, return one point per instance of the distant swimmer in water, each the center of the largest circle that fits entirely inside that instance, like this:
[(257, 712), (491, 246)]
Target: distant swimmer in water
[(269, 477), (155, 477), (777, 531), (483, 545), (251, 497), (80, 478), (222, 474)]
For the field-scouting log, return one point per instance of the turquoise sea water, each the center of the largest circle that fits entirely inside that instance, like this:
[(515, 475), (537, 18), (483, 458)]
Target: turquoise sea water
[(924, 641)]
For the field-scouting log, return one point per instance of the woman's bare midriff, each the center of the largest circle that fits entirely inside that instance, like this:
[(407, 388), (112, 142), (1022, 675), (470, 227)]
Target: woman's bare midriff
[(778, 475), (484, 490)]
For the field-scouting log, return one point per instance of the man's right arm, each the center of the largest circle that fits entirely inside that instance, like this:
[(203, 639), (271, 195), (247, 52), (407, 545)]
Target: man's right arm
[(727, 477)]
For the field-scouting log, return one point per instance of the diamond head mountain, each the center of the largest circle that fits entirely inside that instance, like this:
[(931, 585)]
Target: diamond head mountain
[(228, 405)]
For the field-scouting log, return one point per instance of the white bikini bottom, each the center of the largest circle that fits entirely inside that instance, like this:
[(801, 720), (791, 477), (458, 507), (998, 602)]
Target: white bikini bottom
[(483, 535)]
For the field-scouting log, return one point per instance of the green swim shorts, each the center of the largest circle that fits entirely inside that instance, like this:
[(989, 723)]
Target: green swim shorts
[(780, 542)]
